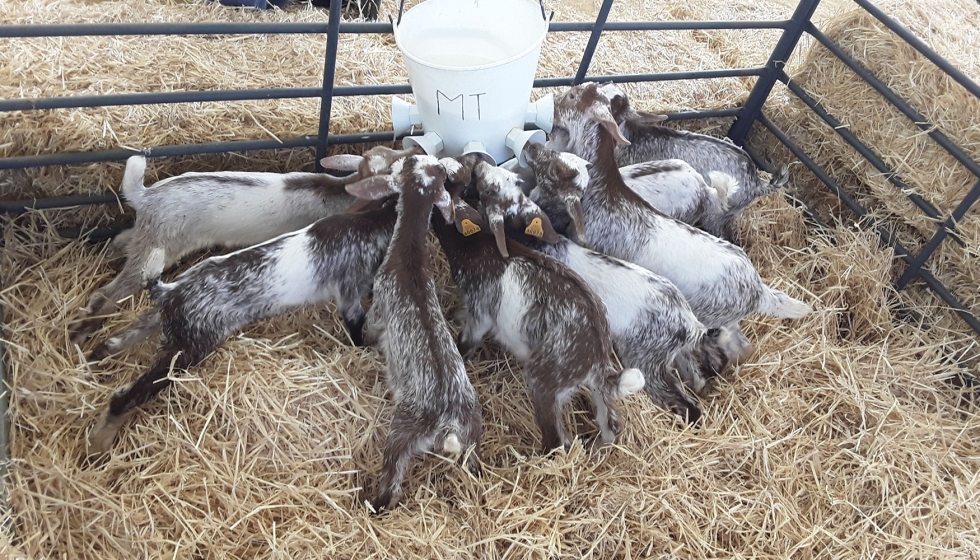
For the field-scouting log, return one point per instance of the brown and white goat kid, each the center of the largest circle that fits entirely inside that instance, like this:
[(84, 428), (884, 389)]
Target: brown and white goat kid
[(708, 155), (716, 277), (183, 214), (435, 403), (543, 314), (334, 259), (652, 325), (502, 200)]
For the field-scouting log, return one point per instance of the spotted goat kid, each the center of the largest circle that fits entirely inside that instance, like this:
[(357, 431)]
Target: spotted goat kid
[(716, 277), (180, 215), (652, 325), (719, 161), (543, 314), (334, 259), (435, 404)]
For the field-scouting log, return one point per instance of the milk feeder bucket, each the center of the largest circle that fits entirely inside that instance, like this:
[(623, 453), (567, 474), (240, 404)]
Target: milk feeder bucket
[(471, 64)]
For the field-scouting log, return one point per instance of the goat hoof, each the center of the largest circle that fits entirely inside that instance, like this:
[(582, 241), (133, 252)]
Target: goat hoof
[(100, 353)]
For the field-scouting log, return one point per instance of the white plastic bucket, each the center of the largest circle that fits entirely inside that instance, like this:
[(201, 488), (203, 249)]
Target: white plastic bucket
[(471, 64)]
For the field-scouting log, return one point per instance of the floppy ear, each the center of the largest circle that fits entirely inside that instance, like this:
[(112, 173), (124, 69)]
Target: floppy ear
[(446, 206), (468, 220), (496, 222), (538, 225), (344, 162), (374, 188), (600, 113), (574, 208), (651, 118)]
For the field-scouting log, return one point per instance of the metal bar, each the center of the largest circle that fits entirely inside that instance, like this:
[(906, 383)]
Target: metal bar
[(780, 55), (329, 69), (761, 163), (15, 206), (75, 158), (920, 46), (206, 28), (230, 28), (945, 229), (5, 389), (863, 149), (931, 281), (897, 101), (654, 77), (79, 101), (75, 102), (565, 26), (600, 22)]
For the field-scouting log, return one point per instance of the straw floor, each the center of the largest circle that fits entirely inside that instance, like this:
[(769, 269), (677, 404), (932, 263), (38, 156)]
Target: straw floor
[(846, 434)]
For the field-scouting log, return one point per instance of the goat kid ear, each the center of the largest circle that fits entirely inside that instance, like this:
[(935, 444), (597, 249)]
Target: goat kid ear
[(601, 113), (359, 205), (497, 227), (651, 118), (446, 206), (574, 208), (540, 226), (344, 162), (375, 188), (468, 220)]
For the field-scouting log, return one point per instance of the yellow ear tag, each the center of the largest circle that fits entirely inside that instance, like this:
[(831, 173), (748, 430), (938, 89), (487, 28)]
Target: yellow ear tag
[(535, 228), (469, 228)]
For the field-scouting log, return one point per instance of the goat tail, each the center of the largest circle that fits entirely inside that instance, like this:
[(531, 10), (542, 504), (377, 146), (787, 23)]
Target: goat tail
[(451, 445), (153, 268), (631, 381), (724, 185), (132, 183), (776, 303)]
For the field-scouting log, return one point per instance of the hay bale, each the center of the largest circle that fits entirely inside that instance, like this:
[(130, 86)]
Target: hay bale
[(928, 169)]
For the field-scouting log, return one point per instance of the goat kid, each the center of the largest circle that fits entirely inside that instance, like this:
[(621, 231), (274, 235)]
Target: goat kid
[(194, 211), (543, 314), (334, 259), (652, 325), (716, 277), (706, 154), (502, 200), (435, 403)]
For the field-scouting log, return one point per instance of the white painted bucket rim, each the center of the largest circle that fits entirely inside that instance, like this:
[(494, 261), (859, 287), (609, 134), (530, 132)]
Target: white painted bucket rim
[(534, 45)]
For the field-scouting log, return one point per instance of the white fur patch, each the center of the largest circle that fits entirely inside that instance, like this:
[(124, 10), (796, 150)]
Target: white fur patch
[(578, 164), (630, 381), (452, 166), (452, 445)]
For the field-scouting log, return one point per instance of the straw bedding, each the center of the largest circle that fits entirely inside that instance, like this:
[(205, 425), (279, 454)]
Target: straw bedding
[(842, 437), (926, 167)]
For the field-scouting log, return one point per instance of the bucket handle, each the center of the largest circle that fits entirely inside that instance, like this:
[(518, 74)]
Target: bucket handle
[(543, 14), (401, 10)]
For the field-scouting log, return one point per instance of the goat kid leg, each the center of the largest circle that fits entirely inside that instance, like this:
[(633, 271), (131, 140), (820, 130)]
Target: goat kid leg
[(474, 331), (354, 318), (547, 412), (124, 402), (407, 438), (147, 325), (105, 300)]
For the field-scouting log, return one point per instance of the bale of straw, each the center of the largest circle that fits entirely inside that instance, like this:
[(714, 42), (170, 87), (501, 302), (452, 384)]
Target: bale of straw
[(932, 173)]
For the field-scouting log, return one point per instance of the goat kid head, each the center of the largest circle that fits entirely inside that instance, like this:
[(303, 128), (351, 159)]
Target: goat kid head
[(416, 176), (561, 176), (376, 161), (584, 106), (619, 106), (504, 201)]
